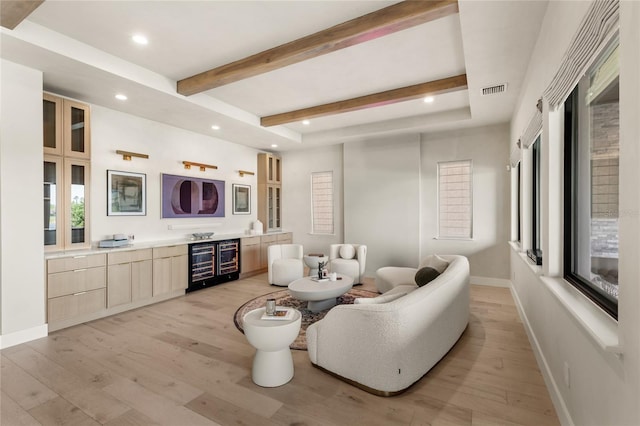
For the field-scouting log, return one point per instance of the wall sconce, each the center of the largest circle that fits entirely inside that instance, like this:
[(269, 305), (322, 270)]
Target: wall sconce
[(203, 167), (126, 155), (244, 172)]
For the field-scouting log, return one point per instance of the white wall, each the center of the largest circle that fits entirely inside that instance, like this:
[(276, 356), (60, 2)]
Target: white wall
[(21, 236), (488, 149), (297, 167), (167, 147), (382, 200), (564, 327)]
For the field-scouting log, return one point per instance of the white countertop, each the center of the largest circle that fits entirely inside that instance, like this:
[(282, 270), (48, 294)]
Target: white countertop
[(149, 244)]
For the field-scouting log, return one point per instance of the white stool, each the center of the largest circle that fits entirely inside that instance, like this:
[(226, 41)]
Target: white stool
[(272, 364)]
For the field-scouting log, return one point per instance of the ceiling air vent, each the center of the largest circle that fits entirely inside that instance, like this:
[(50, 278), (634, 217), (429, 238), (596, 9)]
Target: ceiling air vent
[(492, 90)]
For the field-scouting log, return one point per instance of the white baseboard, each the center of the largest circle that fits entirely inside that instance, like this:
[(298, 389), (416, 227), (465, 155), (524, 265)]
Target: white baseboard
[(23, 336), (552, 386), (491, 282)]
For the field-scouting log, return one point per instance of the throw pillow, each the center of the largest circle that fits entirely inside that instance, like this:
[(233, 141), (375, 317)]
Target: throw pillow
[(347, 251), (380, 299), (426, 275), (436, 262)]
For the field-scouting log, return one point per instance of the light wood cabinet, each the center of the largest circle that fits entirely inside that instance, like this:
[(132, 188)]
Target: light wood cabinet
[(285, 238), (170, 269), (250, 254), (66, 127), (76, 286), (130, 277), (67, 171), (270, 191), (267, 240)]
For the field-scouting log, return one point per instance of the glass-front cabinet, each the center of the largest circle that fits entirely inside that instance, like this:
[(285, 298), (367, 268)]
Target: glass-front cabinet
[(52, 192), (270, 191), (66, 145)]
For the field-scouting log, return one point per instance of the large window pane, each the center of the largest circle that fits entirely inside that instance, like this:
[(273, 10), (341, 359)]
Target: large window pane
[(592, 158)]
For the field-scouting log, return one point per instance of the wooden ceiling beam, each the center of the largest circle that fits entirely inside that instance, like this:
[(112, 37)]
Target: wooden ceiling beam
[(14, 12), (368, 27), (388, 97)]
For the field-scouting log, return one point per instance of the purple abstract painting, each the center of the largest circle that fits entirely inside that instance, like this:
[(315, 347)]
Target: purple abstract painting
[(184, 196)]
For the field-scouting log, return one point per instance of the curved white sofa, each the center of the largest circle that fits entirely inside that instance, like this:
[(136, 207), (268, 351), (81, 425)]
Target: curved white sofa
[(384, 348)]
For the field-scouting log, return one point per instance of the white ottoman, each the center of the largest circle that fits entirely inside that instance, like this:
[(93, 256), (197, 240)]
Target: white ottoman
[(272, 364)]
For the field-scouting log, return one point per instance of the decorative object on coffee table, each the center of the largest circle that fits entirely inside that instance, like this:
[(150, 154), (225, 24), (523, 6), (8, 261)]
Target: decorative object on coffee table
[(320, 295), (312, 260)]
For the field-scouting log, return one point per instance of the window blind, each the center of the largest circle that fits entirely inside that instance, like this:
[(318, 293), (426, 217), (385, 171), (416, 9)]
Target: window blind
[(597, 28), (455, 209), (322, 202)]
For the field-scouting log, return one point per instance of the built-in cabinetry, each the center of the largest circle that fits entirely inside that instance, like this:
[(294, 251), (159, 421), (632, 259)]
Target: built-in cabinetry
[(270, 191), (67, 170), (76, 286), (86, 287), (129, 277), (170, 269), (254, 251)]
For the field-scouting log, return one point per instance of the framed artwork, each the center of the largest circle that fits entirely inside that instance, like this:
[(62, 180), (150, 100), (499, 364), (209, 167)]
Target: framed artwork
[(241, 199), (126, 193), (184, 196)]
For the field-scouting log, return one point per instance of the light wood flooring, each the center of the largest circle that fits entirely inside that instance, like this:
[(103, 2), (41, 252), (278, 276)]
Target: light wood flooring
[(183, 362)]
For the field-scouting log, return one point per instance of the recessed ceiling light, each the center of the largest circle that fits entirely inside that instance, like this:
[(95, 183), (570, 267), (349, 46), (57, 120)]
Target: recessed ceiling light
[(215, 127), (306, 122), (274, 145), (140, 39), (121, 97), (428, 99)]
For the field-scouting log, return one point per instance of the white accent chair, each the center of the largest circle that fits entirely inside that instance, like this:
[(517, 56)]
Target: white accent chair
[(284, 264), (349, 262)]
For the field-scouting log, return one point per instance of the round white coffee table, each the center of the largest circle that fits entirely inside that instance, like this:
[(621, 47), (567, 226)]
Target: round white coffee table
[(272, 364), (312, 263), (320, 295)]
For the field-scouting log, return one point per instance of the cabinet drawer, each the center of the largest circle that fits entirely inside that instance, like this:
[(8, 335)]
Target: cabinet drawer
[(269, 238), (79, 280), (250, 241), (60, 308), (287, 236), (170, 251), (129, 256), (76, 262)]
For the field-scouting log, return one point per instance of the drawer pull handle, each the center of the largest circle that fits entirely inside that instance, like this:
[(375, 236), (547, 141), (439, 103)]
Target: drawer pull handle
[(78, 294), (79, 257), (80, 270)]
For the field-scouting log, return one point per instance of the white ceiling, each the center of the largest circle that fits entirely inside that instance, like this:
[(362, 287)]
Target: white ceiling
[(84, 49)]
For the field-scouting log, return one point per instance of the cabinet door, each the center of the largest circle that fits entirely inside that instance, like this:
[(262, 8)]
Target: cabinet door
[(52, 124), (77, 185), (141, 280), (52, 196), (77, 132), (250, 254), (179, 272), (118, 284), (161, 276)]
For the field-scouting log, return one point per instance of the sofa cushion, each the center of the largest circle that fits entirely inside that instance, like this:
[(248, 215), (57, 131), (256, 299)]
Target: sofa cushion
[(434, 261), (426, 275), (347, 251), (380, 299)]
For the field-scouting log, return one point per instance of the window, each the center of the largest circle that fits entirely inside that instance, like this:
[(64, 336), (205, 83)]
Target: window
[(455, 210), (322, 202), (591, 183), (535, 253)]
